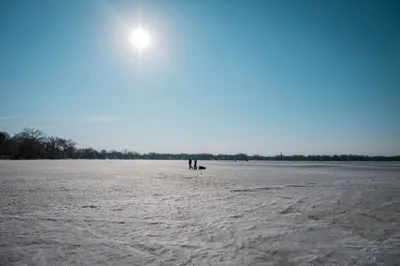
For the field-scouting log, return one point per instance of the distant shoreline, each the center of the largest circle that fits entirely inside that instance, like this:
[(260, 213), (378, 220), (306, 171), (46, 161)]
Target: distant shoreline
[(31, 144), (368, 159)]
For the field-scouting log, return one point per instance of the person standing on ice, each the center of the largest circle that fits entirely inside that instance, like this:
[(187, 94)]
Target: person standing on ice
[(190, 164), (195, 164)]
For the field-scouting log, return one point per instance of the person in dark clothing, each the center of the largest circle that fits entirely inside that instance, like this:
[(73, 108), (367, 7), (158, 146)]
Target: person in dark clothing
[(190, 164), (195, 164)]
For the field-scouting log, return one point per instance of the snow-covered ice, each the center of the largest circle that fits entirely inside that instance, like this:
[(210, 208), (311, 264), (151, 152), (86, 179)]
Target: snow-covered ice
[(234, 213)]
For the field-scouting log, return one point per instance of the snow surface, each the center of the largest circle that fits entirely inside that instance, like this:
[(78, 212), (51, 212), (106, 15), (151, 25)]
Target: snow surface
[(234, 213)]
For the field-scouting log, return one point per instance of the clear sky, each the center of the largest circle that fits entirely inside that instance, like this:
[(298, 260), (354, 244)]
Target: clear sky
[(259, 77)]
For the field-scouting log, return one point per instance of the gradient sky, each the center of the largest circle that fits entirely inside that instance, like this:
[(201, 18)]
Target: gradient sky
[(259, 77)]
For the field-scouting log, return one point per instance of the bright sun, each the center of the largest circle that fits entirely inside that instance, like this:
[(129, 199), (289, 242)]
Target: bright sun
[(140, 38)]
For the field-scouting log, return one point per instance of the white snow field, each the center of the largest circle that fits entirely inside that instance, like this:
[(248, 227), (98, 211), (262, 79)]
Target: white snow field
[(107, 212)]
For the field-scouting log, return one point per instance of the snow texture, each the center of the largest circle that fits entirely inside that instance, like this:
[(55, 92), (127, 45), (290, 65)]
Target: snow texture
[(234, 213)]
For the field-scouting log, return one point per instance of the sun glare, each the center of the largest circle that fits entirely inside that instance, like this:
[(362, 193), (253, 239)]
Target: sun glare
[(140, 38)]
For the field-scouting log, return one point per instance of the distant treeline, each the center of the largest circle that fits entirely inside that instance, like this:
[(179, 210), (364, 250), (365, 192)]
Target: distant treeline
[(34, 144)]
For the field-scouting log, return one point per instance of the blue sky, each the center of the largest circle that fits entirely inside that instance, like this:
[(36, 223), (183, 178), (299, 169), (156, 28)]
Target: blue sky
[(259, 77)]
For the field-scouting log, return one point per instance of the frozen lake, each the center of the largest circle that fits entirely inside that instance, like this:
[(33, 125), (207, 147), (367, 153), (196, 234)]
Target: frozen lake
[(234, 213)]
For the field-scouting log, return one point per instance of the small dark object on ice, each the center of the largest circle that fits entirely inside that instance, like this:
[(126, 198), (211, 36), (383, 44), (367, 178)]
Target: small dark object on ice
[(202, 167), (90, 206)]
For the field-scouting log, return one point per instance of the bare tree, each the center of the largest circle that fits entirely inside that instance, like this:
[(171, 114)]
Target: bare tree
[(31, 134)]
